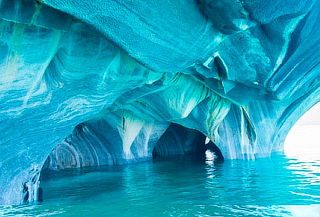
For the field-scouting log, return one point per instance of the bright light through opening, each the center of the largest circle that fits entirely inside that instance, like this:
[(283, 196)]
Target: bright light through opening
[(303, 140)]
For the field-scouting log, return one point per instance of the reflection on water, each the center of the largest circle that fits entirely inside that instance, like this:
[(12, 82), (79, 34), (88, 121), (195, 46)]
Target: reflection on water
[(279, 186), (303, 146)]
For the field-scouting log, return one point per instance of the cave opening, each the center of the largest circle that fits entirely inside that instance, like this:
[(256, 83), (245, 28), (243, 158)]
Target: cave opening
[(80, 149), (302, 141), (176, 144), (179, 141)]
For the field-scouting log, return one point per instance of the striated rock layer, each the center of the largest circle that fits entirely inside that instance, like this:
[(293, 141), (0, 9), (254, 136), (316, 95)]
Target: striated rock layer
[(109, 82)]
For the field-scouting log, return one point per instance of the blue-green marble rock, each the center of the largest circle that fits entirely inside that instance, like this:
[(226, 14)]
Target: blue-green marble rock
[(86, 83)]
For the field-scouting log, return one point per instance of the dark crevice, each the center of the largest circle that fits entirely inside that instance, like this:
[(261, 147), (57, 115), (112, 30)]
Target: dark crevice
[(221, 68)]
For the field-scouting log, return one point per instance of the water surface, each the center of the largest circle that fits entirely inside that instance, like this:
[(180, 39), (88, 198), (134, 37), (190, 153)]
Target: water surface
[(277, 186)]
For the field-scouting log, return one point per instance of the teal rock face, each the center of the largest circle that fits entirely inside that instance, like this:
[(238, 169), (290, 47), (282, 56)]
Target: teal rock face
[(86, 83)]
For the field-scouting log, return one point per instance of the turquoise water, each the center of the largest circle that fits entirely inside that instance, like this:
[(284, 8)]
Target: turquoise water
[(277, 186)]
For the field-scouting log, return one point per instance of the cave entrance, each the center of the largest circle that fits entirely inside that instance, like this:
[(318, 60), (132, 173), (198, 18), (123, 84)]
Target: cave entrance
[(303, 140), (181, 141)]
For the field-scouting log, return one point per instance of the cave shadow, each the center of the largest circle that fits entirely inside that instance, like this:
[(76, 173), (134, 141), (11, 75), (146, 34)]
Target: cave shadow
[(181, 143)]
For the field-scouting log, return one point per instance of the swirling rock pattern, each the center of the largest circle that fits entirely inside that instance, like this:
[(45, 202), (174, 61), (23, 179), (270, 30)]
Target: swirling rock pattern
[(102, 82)]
